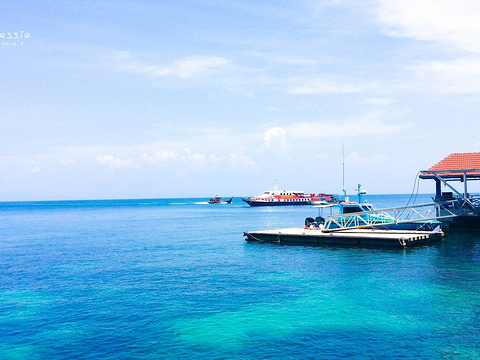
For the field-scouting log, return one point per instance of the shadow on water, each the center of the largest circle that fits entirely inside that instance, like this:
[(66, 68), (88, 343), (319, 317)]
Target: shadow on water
[(463, 243), (336, 246)]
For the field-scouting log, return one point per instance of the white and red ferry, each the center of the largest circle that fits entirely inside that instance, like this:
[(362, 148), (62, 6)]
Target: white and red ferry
[(277, 197)]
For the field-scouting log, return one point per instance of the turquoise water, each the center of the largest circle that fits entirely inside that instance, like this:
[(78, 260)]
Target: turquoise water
[(174, 279)]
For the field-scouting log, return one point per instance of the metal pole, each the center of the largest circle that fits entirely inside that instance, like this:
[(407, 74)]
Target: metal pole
[(343, 170)]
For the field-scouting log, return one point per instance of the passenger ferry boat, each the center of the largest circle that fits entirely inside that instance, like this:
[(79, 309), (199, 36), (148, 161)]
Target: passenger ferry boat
[(277, 197)]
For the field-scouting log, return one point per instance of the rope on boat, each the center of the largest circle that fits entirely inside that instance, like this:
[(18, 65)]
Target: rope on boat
[(247, 234), (250, 235)]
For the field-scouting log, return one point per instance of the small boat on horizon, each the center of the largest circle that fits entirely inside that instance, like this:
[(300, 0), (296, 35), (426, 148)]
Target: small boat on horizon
[(277, 197), (218, 200)]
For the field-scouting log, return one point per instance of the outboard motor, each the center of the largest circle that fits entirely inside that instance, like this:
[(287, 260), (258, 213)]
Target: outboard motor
[(309, 221), (319, 220)]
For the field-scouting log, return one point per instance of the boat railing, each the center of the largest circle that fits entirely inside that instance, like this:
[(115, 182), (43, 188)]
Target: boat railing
[(427, 213)]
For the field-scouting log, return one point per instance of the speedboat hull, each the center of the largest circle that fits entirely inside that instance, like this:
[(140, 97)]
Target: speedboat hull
[(218, 200)]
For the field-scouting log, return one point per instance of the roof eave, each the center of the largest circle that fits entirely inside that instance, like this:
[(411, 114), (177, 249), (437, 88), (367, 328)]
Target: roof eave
[(453, 174)]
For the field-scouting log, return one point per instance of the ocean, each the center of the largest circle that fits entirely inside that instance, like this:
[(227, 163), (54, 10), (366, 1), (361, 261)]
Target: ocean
[(174, 279)]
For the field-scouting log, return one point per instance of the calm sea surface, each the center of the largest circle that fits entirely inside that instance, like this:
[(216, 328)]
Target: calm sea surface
[(174, 279)]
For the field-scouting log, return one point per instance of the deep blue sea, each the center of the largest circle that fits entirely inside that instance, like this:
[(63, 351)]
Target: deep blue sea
[(174, 279)]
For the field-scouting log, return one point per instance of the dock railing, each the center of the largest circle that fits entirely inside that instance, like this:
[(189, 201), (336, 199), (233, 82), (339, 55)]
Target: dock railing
[(421, 214)]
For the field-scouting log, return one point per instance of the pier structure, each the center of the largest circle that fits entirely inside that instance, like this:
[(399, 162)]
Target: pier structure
[(352, 237), (460, 168), (404, 226), (400, 226), (413, 217)]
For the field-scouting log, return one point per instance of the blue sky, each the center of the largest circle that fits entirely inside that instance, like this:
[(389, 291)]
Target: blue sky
[(145, 99)]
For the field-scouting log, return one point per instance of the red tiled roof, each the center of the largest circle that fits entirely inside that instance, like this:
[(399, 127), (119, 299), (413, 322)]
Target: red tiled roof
[(458, 161)]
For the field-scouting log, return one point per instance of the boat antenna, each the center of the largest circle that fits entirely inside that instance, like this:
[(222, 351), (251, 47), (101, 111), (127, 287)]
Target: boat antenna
[(359, 193), (343, 170)]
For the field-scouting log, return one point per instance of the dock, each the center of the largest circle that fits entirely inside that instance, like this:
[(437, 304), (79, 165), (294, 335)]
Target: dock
[(465, 206), (353, 237)]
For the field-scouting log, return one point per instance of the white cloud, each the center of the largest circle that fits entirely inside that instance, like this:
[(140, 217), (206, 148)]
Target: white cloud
[(323, 86), (380, 158), (239, 158), (355, 158), (197, 159), (456, 76), (115, 163), (322, 156), (456, 23), (275, 137), (68, 162), (379, 101), (35, 169), (372, 124), (198, 65), (215, 158), (161, 156), (191, 66), (369, 125), (454, 26), (275, 58)]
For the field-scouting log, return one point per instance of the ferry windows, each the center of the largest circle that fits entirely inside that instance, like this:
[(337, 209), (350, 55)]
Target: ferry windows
[(347, 210)]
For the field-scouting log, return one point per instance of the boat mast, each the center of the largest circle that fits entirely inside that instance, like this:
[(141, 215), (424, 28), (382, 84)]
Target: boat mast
[(343, 171), (360, 192)]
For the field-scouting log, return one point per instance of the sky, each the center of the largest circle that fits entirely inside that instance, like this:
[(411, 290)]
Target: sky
[(161, 99)]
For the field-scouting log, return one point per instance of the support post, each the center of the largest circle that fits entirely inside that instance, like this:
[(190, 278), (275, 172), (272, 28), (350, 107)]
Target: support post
[(438, 189)]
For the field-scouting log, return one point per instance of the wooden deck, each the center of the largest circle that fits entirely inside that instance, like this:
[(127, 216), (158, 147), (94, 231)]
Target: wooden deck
[(354, 237)]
